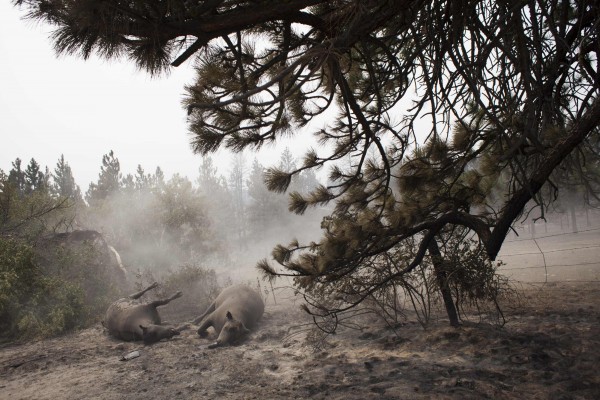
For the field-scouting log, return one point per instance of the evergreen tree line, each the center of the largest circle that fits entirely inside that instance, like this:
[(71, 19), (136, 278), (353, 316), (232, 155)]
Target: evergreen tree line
[(152, 221)]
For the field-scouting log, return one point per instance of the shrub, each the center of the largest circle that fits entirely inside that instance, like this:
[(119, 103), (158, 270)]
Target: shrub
[(33, 304), (83, 266)]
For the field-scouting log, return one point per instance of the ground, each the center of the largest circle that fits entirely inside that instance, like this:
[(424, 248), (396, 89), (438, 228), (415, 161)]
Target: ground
[(548, 349)]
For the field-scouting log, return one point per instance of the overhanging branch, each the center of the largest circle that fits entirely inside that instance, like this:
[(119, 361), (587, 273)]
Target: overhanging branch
[(588, 122)]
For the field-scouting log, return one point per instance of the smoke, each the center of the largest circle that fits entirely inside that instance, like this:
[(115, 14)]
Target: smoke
[(163, 226)]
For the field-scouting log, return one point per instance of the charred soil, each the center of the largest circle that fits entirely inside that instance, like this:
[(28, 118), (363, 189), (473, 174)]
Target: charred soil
[(548, 349)]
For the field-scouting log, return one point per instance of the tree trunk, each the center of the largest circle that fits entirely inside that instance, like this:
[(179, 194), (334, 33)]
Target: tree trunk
[(574, 220), (442, 279), (587, 216), (561, 223)]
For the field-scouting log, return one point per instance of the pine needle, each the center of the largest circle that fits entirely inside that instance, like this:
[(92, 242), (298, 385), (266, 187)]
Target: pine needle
[(277, 180)]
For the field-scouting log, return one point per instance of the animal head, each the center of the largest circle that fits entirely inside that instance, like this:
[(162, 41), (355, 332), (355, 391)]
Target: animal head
[(232, 332), (154, 333)]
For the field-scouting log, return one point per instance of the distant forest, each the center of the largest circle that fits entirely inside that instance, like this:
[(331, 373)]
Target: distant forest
[(154, 222)]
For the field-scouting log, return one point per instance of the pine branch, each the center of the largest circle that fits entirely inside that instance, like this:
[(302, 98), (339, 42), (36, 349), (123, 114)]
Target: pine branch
[(276, 180)]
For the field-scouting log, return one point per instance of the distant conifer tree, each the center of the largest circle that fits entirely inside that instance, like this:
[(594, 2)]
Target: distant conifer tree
[(109, 179), (64, 182)]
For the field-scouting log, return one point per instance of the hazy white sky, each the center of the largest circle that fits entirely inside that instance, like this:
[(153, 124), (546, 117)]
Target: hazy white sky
[(83, 109)]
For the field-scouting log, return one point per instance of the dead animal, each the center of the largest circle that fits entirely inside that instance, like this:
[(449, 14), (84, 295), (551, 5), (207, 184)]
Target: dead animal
[(236, 310), (129, 320)]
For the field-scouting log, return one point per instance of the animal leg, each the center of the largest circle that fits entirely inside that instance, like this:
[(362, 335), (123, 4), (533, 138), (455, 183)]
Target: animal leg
[(183, 327), (210, 309), (205, 325), (137, 295), (158, 303)]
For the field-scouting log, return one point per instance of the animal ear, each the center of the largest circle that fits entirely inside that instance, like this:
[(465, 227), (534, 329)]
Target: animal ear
[(229, 316)]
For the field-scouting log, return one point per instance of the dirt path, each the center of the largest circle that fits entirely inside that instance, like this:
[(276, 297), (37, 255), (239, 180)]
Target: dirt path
[(549, 350)]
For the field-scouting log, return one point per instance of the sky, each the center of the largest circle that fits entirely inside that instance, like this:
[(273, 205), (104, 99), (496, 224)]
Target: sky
[(52, 105)]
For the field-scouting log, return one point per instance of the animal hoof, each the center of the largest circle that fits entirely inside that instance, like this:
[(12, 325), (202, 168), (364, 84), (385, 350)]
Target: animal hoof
[(202, 333)]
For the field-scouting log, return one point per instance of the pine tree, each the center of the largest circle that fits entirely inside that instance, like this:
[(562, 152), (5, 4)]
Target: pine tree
[(286, 161), (6, 189), (128, 184), (27, 208), (34, 178), (237, 189), (307, 182), (265, 209), (502, 95), (208, 181), (142, 181), (64, 182), (109, 179), (158, 179), (16, 177), (182, 212), (219, 200)]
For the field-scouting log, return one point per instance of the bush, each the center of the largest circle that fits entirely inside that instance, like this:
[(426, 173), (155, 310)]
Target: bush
[(84, 267), (17, 275), (474, 280), (379, 286), (31, 303), (55, 307)]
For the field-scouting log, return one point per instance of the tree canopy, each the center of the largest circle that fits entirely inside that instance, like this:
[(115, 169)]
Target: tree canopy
[(509, 92)]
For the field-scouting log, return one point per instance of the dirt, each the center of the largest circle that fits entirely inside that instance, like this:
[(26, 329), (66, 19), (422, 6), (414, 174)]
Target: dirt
[(548, 349)]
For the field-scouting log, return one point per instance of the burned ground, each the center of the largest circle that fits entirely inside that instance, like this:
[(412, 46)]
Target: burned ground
[(549, 349)]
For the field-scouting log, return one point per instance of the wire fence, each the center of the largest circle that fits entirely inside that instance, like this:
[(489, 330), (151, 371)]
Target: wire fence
[(553, 235), (550, 251), (579, 262)]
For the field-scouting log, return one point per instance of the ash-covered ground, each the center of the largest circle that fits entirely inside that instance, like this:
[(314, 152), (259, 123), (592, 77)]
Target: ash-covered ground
[(549, 349)]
